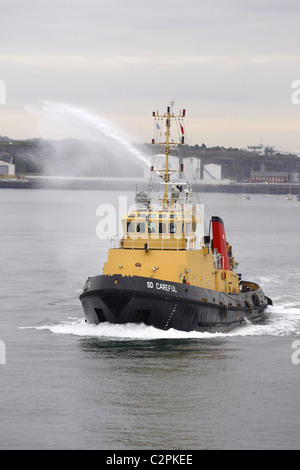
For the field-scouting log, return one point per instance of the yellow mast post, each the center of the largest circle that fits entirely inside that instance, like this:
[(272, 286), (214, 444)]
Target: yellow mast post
[(166, 146), (167, 151)]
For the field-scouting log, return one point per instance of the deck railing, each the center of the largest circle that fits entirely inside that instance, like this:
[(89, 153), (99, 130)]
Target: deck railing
[(155, 242)]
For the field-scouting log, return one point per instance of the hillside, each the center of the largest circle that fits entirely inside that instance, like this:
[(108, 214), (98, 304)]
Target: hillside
[(84, 158)]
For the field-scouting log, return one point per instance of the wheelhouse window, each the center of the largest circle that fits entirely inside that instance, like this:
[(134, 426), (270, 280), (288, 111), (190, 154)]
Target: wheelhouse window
[(162, 227), (172, 227), (151, 227), (130, 226), (140, 227)]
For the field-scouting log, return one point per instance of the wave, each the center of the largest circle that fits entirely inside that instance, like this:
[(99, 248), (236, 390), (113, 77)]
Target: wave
[(281, 320)]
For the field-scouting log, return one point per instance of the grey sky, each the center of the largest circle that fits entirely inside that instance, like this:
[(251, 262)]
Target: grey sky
[(230, 63)]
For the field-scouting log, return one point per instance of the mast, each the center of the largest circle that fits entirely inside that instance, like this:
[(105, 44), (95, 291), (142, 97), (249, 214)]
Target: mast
[(166, 173), (167, 151)]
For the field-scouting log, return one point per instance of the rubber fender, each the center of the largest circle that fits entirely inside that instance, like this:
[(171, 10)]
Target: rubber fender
[(270, 302), (256, 300)]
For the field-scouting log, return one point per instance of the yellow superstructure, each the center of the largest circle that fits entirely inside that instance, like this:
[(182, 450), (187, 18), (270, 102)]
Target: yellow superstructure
[(196, 267), (164, 244)]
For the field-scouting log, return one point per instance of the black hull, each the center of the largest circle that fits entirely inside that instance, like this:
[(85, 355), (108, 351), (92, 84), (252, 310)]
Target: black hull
[(165, 305)]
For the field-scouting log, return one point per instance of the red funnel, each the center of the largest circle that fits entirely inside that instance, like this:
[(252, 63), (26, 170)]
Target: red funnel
[(219, 241)]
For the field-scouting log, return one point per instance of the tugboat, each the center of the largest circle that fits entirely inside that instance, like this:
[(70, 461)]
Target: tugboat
[(164, 271)]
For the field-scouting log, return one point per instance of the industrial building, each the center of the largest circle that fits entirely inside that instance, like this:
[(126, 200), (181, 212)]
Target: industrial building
[(261, 149), (7, 170), (269, 177)]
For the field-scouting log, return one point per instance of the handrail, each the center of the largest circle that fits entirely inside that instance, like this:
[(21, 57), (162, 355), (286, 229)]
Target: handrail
[(162, 242)]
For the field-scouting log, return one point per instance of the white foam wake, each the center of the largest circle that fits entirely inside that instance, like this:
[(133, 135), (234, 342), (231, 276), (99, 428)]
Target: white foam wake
[(79, 327), (282, 321)]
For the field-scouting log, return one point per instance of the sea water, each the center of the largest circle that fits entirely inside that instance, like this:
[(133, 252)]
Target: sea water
[(69, 385)]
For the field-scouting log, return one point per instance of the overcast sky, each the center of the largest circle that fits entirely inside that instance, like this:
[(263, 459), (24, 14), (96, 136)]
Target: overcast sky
[(230, 63)]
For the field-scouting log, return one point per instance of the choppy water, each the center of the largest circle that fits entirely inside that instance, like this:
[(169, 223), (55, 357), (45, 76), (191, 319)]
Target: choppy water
[(69, 385)]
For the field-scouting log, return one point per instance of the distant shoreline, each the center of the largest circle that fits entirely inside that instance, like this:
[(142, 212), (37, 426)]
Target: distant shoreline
[(101, 184)]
